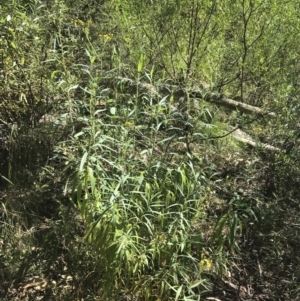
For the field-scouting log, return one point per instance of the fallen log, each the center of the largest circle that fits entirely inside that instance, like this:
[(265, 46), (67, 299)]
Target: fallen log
[(230, 103), (241, 136), (162, 90)]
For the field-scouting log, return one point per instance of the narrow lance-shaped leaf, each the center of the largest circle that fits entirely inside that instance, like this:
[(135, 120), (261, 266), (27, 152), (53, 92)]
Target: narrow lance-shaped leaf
[(82, 163), (92, 179), (233, 229), (178, 292), (219, 228), (141, 63), (94, 224)]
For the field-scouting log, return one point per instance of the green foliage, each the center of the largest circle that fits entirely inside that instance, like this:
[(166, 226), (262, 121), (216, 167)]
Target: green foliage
[(94, 98), (140, 212)]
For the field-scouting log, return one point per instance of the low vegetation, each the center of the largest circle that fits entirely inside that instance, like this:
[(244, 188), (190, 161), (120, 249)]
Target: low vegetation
[(149, 151)]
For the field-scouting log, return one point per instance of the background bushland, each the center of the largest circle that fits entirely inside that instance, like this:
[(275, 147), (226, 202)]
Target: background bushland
[(149, 151)]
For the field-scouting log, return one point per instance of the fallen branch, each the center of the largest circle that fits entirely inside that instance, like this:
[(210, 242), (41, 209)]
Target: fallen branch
[(244, 137), (230, 103), (162, 90)]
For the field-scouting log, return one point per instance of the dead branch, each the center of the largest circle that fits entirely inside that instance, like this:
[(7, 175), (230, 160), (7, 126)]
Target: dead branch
[(241, 136), (162, 90)]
